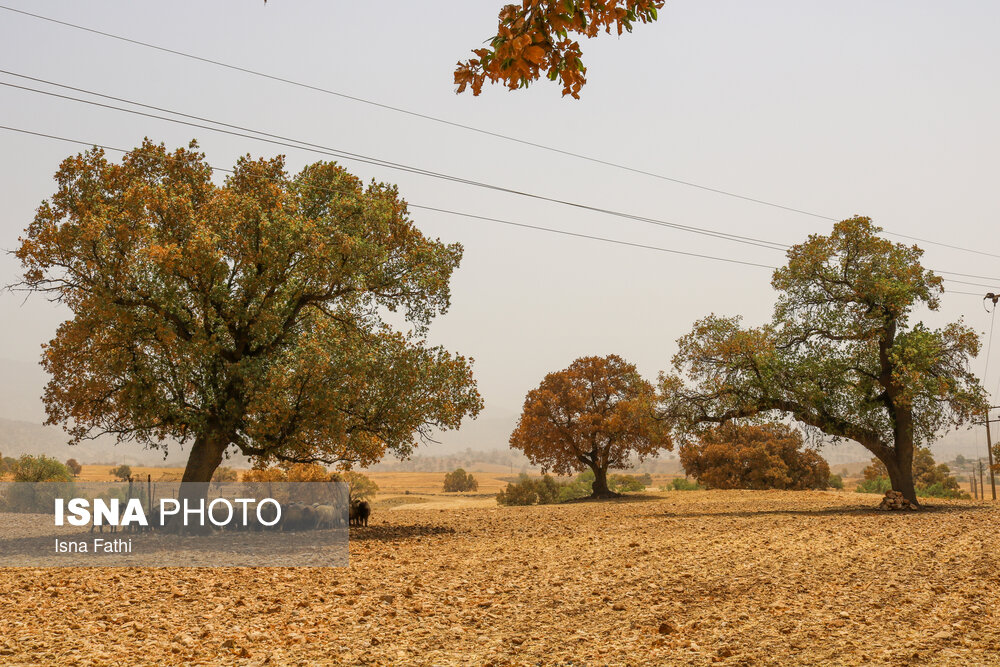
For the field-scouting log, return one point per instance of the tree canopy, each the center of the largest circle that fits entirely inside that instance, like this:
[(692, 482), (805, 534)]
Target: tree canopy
[(595, 414), (749, 456), (533, 40), (248, 314), (839, 355)]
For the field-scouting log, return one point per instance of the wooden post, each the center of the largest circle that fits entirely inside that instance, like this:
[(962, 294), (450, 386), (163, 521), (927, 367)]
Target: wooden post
[(982, 484), (989, 452)]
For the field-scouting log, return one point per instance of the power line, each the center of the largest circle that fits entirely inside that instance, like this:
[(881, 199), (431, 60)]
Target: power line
[(450, 212), (470, 128), (357, 157), (480, 217)]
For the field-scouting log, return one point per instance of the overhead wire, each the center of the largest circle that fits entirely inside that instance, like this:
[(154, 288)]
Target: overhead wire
[(480, 217), (248, 133), (463, 126), (448, 211), (241, 131)]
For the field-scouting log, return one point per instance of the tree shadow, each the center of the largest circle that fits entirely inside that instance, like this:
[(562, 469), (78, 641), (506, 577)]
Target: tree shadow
[(849, 510), (389, 533)]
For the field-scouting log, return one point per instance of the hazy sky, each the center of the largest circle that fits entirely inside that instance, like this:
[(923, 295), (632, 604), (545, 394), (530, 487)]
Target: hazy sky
[(887, 109)]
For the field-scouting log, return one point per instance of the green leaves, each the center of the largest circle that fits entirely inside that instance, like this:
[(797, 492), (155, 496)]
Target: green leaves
[(839, 353), (253, 308)]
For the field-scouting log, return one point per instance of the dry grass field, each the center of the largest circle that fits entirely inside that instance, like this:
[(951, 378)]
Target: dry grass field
[(717, 577)]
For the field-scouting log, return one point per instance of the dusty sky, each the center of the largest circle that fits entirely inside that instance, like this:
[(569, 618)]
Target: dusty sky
[(884, 109)]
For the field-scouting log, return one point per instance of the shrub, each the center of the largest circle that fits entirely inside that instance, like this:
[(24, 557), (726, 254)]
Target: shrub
[(521, 492), (683, 484), (39, 469), (527, 491), (836, 482), (939, 490), (459, 480), (876, 485), (625, 483), (122, 472), (74, 467)]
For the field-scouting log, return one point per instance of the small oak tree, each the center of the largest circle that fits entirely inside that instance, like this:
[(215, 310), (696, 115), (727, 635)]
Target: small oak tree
[(459, 480), (767, 456), (246, 315), (840, 354), (533, 40), (74, 467), (121, 473), (596, 414)]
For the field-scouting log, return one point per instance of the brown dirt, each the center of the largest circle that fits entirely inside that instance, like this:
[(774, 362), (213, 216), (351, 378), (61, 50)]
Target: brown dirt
[(724, 577)]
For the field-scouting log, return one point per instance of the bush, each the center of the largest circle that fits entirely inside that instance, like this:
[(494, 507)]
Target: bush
[(682, 484), (122, 472), (939, 490), (459, 480), (521, 492), (625, 483), (836, 482), (40, 469), (876, 485), (527, 491)]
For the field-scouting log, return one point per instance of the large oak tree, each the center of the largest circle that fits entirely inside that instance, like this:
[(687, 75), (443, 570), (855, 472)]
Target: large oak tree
[(246, 316), (840, 354), (595, 414)]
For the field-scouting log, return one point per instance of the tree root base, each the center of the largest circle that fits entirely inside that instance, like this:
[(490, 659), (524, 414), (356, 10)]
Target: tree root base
[(894, 501)]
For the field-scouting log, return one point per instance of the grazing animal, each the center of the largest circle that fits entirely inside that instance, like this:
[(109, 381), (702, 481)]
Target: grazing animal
[(297, 516), (326, 516), (360, 511)]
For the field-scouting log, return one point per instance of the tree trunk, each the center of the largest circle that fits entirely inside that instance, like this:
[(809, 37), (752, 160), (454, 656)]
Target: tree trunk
[(901, 473), (600, 486), (206, 457)]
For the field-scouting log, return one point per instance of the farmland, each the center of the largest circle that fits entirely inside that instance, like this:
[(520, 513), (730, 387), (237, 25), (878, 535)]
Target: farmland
[(716, 577)]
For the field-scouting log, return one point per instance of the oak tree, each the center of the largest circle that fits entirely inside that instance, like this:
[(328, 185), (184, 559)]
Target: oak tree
[(247, 315), (533, 40), (74, 467), (596, 414), (751, 456), (840, 354)]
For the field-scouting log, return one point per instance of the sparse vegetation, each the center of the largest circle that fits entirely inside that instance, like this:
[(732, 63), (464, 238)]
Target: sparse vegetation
[(224, 474), (836, 482)]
